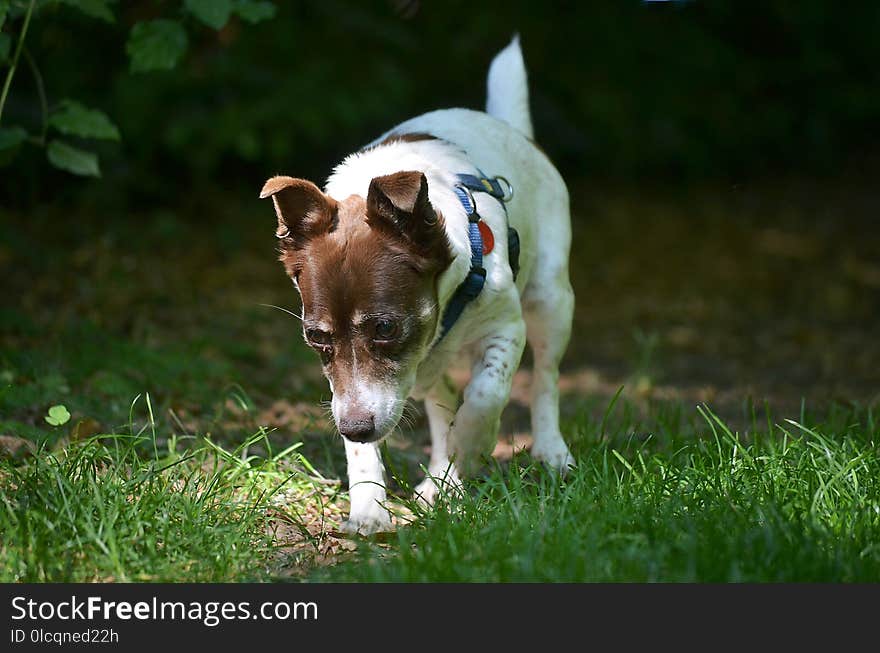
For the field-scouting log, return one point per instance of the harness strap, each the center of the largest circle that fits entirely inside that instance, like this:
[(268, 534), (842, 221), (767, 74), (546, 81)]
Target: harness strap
[(485, 184), (473, 283), (470, 288), (502, 193)]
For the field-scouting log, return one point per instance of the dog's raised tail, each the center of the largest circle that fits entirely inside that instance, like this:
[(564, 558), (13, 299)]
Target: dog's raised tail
[(508, 89)]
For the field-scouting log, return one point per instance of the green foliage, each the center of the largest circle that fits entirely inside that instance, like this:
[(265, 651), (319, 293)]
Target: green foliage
[(254, 11), (156, 45), (74, 119), (94, 8), (57, 416), (213, 13), (73, 159), (11, 137), (695, 90)]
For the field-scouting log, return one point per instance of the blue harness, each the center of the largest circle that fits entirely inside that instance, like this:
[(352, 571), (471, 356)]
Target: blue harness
[(470, 288)]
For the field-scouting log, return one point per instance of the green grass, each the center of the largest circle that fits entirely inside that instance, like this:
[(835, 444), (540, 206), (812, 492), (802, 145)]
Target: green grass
[(797, 505), (113, 508), (690, 501)]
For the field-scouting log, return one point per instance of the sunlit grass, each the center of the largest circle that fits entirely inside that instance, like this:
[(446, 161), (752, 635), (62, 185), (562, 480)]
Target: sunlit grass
[(690, 501), (798, 504), (115, 508)]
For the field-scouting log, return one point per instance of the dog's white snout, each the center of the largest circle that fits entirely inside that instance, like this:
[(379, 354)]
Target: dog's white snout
[(367, 414)]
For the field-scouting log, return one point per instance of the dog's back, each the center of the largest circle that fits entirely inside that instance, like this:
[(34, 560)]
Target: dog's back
[(500, 142)]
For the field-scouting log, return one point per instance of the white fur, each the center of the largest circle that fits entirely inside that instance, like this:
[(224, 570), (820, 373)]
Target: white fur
[(366, 488), (490, 335), (442, 475), (508, 89), (384, 401)]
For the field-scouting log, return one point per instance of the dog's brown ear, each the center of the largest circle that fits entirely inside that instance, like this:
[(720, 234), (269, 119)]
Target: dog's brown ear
[(399, 203), (303, 210)]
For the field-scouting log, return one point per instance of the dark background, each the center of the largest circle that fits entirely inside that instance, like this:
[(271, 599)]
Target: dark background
[(657, 92), (721, 158)]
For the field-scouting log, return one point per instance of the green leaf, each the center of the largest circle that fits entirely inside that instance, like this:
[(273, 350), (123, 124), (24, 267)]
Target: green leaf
[(12, 137), (4, 7), (213, 13), (57, 416), (254, 11), (156, 45), (93, 8), (75, 119), (5, 46), (79, 162)]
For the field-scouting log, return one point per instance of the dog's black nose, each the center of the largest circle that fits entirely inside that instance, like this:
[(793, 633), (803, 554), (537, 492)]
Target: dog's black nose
[(360, 429)]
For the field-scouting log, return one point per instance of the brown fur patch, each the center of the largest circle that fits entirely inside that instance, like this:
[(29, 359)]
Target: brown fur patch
[(398, 204), (372, 260), (352, 276), (303, 211)]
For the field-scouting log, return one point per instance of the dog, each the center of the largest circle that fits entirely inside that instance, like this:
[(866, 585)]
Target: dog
[(414, 259)]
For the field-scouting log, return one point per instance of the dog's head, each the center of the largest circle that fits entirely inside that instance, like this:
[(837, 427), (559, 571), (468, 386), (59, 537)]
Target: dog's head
[(366, 270)]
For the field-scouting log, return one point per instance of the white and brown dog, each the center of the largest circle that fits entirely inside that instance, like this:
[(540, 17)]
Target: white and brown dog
[(405, 264)]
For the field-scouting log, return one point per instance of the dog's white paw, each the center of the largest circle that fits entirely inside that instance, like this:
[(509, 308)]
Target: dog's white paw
[(367, 524), (555, 456), (427, 491), (434, 487)]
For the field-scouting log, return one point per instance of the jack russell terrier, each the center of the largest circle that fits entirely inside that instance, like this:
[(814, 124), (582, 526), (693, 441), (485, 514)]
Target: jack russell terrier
[(444, 242)]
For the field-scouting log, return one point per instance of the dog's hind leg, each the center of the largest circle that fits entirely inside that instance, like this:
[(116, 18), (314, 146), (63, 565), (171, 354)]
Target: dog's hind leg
[(440, 406), (548, 306)]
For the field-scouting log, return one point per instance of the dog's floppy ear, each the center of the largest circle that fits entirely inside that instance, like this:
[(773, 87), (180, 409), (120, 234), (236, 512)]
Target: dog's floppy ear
[(303, 210), (399, 203)]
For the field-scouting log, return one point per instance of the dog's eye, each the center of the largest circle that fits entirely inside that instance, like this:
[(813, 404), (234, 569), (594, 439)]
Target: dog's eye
[(385, 329), (318, 338)]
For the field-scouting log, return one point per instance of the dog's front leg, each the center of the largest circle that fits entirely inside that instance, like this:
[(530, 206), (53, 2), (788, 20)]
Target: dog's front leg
[(442, 477), (366, 489), (475, 428)]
